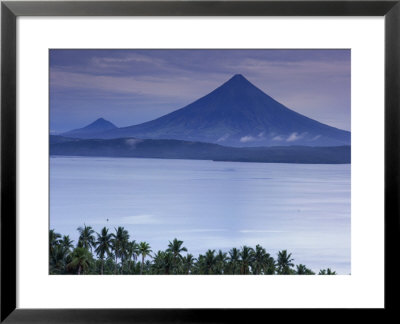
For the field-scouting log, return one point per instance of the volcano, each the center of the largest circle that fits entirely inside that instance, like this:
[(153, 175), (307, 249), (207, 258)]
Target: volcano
[(235, 114), (92, 130)]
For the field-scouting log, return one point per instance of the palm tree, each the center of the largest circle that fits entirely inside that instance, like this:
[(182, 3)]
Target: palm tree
[(116, 254), (328, 272), (200, 265), (220, 262), (54, 240), (132, 252), (263, 263), (66, 242), (103, 246), (284, 262), (86, 237), (234, 258), (158, 262), (144, 250), (58, 258), (147, 266), (301, 269), (81, 259), (119, 242), (168, 262), (60, 249), (246, 256), (109, 264), (162, 262), (188, 263), (209, 262), (175, 247)]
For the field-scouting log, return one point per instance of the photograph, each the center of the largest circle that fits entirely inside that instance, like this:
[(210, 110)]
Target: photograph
[(199, 161)]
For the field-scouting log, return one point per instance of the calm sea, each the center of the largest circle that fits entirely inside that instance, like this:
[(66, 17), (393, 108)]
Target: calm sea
[(218, 205)]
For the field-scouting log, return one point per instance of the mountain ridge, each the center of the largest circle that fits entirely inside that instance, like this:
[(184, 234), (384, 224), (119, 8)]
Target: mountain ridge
[(237, 113)]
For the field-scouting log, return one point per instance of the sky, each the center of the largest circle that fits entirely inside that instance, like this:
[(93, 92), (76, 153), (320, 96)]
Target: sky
[(128, 87)]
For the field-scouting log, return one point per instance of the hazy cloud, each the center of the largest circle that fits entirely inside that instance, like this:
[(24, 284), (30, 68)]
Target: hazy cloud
[(294, 137), (278, 138), (223, 138), (139, 219), (133, 141), (247, 138), (261, 231), (200, 230)]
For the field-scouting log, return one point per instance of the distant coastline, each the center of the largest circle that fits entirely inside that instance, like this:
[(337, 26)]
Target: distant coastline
[(177, 149)]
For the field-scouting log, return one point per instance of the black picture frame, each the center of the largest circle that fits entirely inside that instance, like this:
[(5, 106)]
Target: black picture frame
[(10, 10)]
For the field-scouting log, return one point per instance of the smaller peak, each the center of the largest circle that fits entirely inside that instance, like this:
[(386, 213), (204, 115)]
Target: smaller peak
[(101, 119), (101, 122)]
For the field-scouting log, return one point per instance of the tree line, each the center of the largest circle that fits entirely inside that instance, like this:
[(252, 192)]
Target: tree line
[(114, 253)]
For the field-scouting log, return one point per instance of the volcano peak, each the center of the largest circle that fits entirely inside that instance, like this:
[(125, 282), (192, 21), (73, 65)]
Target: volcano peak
[(237, 83), (238, 78)]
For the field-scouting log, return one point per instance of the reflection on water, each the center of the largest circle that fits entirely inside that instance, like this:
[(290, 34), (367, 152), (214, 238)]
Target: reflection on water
[(302, 208)]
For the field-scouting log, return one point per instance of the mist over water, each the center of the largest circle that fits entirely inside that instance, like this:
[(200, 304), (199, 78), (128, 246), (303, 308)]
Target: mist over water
[(219, 205)]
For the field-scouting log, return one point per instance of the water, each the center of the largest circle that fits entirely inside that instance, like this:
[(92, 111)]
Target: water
[(219, 205)]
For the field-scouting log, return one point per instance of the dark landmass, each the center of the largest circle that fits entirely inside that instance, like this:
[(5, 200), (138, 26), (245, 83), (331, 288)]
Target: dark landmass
[(177, 149)]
